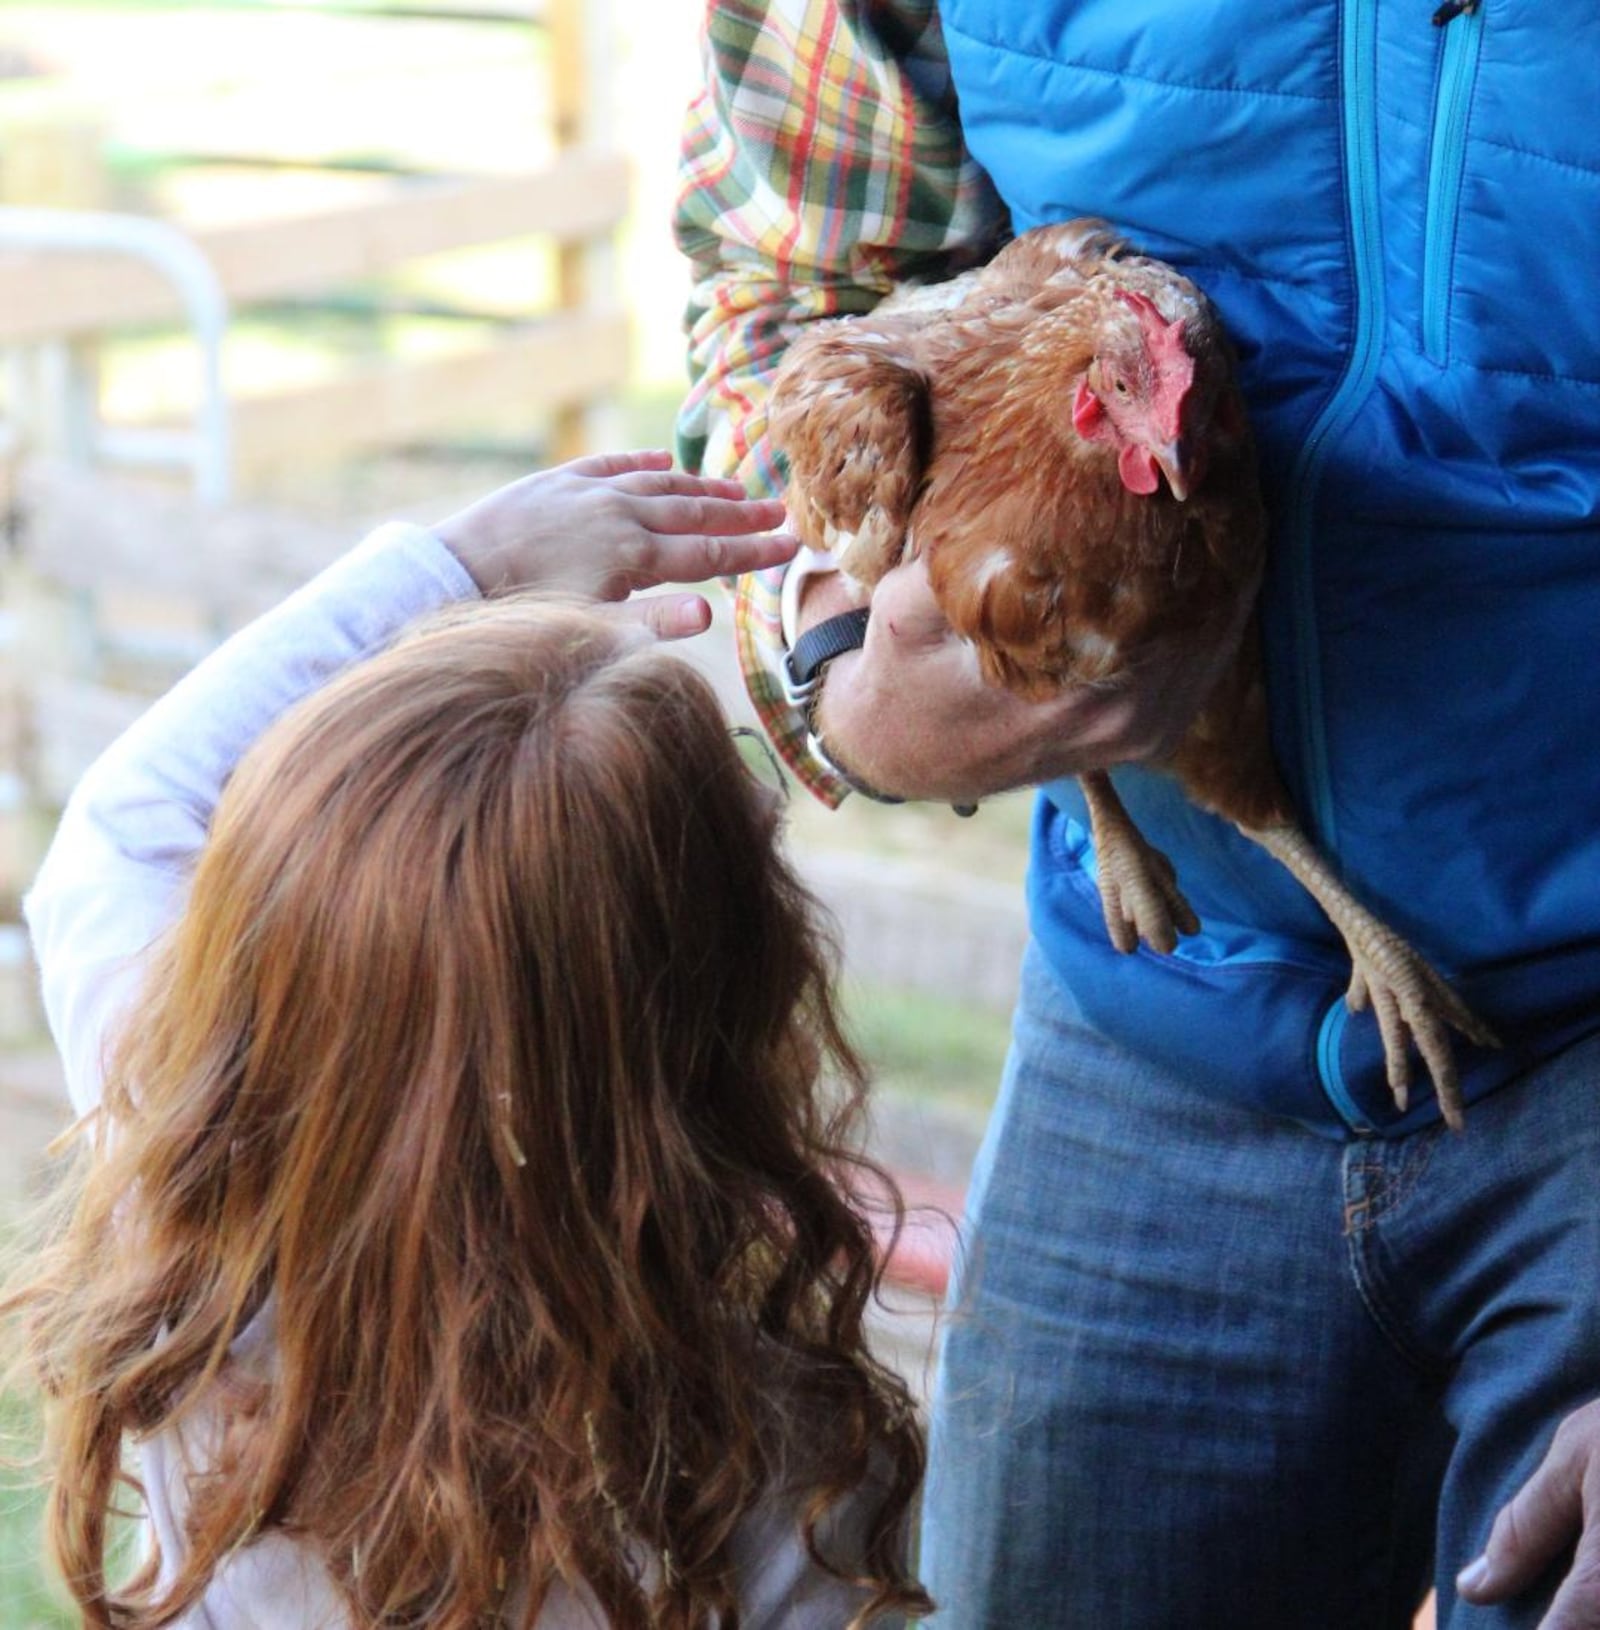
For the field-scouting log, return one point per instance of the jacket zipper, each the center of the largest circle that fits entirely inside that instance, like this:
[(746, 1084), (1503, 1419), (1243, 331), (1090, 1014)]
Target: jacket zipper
[(1358, 71), (1446, 166)]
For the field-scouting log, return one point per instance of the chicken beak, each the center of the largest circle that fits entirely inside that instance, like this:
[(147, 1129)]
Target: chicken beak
[(1172, 459)]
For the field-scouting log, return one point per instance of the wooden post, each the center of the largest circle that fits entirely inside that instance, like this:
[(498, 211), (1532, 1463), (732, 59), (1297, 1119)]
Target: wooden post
[(580, 45), (52, 160)]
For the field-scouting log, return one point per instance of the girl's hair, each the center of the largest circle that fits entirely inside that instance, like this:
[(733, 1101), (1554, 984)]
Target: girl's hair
[(494, 1057)]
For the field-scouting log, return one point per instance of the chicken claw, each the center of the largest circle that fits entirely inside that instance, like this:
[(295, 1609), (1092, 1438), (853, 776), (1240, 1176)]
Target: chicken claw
[(1408, 998), (1139, 891)]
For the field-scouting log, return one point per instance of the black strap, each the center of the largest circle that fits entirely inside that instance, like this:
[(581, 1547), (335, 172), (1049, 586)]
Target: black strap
[(829, 639)]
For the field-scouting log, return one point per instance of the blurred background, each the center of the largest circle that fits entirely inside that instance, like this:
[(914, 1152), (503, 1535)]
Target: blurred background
[(271, 272)]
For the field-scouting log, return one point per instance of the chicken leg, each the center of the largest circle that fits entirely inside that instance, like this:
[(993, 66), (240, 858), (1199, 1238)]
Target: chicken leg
[(1408, 998), (1139, 891), (1141, 900)]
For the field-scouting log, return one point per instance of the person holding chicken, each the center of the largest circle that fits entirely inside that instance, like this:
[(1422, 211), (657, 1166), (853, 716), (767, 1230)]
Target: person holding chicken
[(1243, 1340)]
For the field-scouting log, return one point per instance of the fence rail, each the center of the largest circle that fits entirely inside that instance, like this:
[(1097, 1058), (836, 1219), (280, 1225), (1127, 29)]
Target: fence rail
[(576, 197)]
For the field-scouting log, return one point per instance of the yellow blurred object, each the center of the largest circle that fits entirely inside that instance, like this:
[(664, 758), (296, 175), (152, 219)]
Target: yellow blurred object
[(52, 158)]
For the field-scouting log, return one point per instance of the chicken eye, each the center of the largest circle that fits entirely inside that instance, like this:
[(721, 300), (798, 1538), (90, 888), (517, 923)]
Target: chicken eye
[(1120, 386)]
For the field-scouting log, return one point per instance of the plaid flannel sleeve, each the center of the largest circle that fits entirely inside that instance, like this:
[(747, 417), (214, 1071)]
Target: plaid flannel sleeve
[(822, 164)]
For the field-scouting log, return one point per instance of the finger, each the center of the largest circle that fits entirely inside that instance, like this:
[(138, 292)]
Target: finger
[(694, 559), (666, 616), (904, 607), (1530, 1532), (1577, 1604), (627, 463), (678, 484), (725, 517)]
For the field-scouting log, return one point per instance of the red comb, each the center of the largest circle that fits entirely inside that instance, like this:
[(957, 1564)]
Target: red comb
[(1163, 342)]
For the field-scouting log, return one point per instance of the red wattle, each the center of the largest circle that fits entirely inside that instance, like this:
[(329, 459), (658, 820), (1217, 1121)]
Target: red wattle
[(1138, 470)]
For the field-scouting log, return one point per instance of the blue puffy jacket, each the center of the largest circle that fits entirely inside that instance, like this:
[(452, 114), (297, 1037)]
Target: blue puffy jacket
[(1401, 226)]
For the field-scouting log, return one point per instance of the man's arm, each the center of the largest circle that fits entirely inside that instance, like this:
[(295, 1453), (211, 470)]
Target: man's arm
[(822, 164), (910, 715)]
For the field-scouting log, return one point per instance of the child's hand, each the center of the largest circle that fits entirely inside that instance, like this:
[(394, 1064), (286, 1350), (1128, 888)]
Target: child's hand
[(606, 525)]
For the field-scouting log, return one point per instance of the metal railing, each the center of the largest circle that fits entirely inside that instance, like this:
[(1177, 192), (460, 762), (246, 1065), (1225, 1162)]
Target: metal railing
[(52, 386)]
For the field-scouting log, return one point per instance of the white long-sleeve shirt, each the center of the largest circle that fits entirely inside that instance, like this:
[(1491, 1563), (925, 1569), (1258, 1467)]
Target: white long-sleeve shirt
[(116, 876)]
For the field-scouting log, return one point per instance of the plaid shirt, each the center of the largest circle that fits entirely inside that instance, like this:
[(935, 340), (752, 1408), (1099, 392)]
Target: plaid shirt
[(822, 164)]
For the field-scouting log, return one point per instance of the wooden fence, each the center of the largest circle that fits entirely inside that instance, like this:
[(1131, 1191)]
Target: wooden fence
[(553, 364), (550, 366)]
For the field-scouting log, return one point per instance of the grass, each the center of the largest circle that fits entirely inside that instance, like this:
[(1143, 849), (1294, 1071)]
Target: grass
[(30, 1598), (31, 1595), (929, 1045)]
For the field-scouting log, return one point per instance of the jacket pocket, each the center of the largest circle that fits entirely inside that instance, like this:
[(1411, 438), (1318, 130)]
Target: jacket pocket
[(1458, 72)]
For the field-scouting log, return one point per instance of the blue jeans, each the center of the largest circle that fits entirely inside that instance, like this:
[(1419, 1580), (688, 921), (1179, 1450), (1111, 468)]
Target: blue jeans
[(1205, 1370)]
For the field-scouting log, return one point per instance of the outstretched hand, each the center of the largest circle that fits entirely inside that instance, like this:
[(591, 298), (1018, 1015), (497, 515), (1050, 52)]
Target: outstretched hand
[(1558, 1505), (611, 523)]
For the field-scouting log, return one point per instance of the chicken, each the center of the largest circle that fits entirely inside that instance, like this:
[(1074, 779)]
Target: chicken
[(1060, 435)]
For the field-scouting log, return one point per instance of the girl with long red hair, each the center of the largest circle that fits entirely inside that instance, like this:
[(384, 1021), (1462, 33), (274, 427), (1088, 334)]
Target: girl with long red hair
[(463, 1234)]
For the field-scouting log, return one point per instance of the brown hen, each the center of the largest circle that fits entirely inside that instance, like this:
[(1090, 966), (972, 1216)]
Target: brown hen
[(1061, 436)]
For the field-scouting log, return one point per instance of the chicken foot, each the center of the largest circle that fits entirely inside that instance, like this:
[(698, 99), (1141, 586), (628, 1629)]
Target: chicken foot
[(1139, 891), (1408, 997)]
